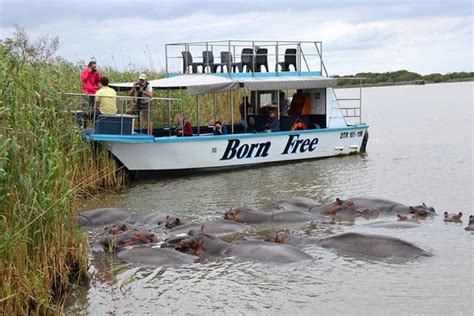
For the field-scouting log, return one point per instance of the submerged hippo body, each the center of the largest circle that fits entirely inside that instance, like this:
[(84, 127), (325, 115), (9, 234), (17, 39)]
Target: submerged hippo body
[(372, 246), (252, 250), (162, 219), (102, 216), (393, 224), (156, 257), (300, 204), (252, 216), (218, 227)]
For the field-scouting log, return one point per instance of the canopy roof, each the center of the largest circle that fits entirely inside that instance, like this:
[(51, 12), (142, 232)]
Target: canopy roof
[(207, 83)]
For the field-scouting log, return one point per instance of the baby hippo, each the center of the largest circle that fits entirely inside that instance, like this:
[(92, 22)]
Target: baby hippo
[(453, 217), (470, 226)]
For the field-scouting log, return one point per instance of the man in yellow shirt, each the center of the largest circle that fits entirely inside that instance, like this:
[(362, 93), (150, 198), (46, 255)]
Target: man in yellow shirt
[(106, 98)]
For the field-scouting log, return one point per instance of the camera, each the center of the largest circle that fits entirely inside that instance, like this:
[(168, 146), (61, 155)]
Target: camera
[(137, 86)]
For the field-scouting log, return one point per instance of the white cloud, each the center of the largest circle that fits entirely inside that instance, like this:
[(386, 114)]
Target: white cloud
[(429, 44)]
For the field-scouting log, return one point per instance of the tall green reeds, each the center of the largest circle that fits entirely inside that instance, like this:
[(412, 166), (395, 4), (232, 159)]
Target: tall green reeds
[(45, 168)]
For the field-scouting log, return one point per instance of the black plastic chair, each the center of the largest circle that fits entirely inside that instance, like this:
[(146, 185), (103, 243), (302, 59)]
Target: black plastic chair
[(188, 61), (261, 59), (290, 59), (246, 59), (227, 61), (208, 61)]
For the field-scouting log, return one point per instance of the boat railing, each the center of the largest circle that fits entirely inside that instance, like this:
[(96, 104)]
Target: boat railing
[(351, 107), (129, 119), (245, 58)]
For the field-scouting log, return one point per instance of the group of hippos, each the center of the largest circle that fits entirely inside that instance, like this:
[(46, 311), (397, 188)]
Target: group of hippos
[(137, 240)]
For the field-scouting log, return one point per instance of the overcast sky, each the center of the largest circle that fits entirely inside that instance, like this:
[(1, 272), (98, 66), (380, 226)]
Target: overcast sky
[(358, 36)]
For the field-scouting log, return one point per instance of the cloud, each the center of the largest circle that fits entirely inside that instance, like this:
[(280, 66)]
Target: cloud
[(367, 36)]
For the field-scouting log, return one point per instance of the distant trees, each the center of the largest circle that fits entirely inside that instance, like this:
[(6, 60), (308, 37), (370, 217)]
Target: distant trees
[(402, 77)]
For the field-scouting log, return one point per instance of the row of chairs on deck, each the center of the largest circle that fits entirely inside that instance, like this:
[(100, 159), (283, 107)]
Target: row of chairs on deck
[(248, 61)]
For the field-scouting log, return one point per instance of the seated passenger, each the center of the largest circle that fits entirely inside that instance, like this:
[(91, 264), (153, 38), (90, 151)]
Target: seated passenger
[(273, 124), (219, 128), (183, 126), (250, 128), (106, 98)]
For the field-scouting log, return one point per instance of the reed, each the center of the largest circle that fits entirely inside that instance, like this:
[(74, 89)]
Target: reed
[(46, 167)]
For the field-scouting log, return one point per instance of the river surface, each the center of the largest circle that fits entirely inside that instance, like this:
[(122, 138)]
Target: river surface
[(420, 150)]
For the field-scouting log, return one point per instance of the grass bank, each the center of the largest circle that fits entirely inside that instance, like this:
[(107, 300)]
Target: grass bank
[(45, 169)]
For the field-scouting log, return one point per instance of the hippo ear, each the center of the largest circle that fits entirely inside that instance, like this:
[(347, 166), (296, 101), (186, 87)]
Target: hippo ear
[(460, 214), (445, 213), (338, 201), (350, 203), (412, 210), (177, 221), (204, 228), (167, 216)]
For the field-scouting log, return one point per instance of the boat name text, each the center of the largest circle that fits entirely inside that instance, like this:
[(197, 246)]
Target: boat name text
[(294, 144)]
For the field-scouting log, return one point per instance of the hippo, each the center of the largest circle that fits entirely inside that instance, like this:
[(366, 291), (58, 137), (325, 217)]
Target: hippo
[(371, 208), (355, 244), (252, 216), (118, 241), (285, 237), (156, 257), (218, 227), (404, 218), (470, 225), (162, 219), (204, 244), (102, 216), (455, 218), (373, 246), (301, 204), (344, 209)]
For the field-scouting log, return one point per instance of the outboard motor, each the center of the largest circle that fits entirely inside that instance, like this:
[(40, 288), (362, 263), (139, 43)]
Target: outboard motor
[(364, 142)]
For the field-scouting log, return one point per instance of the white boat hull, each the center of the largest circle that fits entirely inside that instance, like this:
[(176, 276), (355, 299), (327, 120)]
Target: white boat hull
[(202, 152)]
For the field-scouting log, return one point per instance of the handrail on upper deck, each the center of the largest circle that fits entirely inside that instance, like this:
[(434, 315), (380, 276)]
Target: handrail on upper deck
[(231, 46)]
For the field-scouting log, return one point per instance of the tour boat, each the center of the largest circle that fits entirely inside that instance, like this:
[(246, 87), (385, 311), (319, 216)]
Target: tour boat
[(316, 123)]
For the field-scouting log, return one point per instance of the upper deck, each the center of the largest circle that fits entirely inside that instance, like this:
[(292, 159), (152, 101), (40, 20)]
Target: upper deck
[(245, 58)]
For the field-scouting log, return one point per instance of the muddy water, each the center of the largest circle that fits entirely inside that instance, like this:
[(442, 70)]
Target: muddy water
[(420, 150)]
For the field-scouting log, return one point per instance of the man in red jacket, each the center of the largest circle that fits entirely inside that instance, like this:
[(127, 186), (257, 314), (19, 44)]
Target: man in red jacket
[(91, 77)]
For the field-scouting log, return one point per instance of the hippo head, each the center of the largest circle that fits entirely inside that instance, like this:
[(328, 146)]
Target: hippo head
[(452, 217), (172, 221), (279, 238), (471, 219), (404, 218), (422, 211), (127, 239), (344, 208), (237, 214), (117, 229)]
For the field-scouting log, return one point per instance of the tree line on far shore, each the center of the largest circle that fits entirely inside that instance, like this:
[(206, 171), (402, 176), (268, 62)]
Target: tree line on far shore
[(402, 77)]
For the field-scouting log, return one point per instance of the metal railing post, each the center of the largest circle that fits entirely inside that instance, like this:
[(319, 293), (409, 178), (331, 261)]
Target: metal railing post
[(276, 62), (253, 59), (197, 115), (166, 58)]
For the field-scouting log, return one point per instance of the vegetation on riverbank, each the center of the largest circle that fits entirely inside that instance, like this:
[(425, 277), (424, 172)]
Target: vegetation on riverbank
[(46, 167), (401, 77)]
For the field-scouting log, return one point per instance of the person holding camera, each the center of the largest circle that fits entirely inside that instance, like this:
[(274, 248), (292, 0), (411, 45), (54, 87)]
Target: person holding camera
[(143, 91), (90, 77)]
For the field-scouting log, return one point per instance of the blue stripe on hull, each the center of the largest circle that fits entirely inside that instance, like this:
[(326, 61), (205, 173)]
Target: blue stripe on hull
[(172, 139)]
